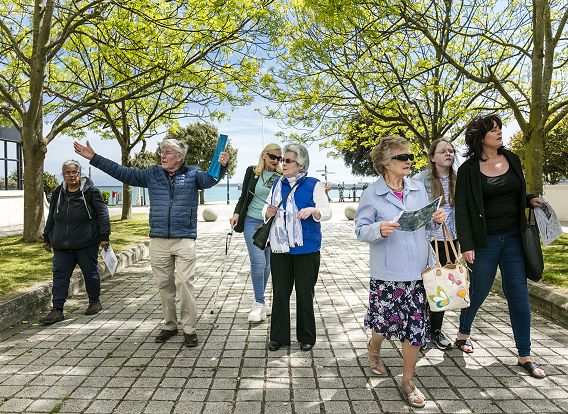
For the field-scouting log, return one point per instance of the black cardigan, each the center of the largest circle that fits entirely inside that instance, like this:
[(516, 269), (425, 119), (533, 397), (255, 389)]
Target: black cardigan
[(470, 221), (241, 208)]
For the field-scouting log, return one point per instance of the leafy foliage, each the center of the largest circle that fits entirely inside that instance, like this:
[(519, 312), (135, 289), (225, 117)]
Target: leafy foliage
[(50, 183), (63, 60), (518, 48), (145, 159), (555, 167), (106, 196), (349, 60), (201, 139)]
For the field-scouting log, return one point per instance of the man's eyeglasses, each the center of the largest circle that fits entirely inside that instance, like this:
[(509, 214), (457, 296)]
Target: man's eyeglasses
[(168, 153), (289, 160), (274, 157), (403, 157), (68, 173), (448, 151)]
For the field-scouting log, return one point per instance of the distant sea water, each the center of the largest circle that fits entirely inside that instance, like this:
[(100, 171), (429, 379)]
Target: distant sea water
[(214, 194)]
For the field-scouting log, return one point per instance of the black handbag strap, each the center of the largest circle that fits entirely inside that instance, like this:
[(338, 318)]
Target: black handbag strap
[(286, 196), (271, 219)]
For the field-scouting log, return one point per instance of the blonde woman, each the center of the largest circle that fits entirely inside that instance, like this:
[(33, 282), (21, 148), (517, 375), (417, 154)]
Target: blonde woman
[(248, 215)]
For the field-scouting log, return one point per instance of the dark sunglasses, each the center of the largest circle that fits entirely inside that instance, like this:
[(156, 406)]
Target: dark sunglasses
[(289, 161), (403, 157), (274, 157)]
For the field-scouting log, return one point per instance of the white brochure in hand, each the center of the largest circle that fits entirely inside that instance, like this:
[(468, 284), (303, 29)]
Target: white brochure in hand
[(110, 259), (548, 224)]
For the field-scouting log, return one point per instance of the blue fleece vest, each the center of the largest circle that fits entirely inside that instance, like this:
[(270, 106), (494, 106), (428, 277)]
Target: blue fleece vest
[(311, 229)]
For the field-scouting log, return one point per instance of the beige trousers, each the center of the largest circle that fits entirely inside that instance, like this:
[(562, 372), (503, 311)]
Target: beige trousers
[(167, 256)]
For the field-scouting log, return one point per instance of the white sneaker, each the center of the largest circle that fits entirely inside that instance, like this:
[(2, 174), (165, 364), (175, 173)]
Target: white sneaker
[(258, 313), (268, 310)]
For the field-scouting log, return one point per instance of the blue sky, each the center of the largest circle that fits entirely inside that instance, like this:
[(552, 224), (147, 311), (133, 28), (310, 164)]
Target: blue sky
[(245, 132)]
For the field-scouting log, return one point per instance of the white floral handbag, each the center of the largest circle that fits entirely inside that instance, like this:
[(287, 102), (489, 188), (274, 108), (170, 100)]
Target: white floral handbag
[(447, 286)]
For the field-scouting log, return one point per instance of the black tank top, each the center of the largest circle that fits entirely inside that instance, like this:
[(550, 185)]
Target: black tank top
[(500, 201)]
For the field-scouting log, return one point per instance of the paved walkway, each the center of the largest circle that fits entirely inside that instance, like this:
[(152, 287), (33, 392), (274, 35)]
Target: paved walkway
[(110, 363)]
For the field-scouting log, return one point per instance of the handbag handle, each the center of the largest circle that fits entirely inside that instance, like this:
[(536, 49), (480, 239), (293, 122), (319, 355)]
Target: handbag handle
[(447, 238)]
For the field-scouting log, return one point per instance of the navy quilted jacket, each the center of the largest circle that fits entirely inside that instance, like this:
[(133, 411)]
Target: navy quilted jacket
[(173, 209)]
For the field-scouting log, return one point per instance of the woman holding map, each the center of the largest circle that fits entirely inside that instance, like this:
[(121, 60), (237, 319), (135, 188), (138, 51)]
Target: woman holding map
[(491, 199), (397, 301), (440, 181), (248, 215)]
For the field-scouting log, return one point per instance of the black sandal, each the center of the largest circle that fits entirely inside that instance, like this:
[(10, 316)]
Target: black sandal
[(464, 342), (531, 367)]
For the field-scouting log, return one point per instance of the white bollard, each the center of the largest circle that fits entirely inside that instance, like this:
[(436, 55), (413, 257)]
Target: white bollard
[(209, 214), (350, 211)]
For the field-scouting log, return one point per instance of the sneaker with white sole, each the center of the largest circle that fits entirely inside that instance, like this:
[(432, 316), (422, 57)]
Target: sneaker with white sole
[(268, 310), (258, 313)]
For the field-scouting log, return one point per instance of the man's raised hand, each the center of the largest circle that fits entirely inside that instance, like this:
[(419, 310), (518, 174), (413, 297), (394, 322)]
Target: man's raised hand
[(86, 152)]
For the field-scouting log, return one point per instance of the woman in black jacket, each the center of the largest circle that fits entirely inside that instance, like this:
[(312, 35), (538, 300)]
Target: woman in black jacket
[(248, 215), (77, 224), (491, 199)]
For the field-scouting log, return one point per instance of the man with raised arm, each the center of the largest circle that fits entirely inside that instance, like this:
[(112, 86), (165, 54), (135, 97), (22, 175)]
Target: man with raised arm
[(173, 188)]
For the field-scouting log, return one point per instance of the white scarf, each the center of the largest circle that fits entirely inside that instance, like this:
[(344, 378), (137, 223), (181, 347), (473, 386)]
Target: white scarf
[(286, 230)]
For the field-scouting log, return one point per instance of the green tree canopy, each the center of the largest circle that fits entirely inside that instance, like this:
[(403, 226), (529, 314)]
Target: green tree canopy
[(347, 60), (555, 167), (521, 53)]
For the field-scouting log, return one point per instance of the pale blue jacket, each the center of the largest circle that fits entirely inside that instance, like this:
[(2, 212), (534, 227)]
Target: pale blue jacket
[(402, 256), (450, 218)]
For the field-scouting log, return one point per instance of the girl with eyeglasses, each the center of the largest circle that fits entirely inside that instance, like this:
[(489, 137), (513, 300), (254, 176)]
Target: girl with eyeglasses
[(398, 305), (440, 181), (248, 215)]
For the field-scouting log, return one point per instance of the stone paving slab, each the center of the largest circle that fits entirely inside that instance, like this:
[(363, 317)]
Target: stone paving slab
[(110, 363)]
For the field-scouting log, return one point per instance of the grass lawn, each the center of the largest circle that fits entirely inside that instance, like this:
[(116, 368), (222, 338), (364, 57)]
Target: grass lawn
[(556, 263), (24, 264)]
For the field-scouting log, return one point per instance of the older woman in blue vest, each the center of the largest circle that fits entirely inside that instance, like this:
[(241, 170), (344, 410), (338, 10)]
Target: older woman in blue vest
[(295, 242)]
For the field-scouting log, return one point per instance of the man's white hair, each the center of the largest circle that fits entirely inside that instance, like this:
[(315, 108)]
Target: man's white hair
[(178, 146)]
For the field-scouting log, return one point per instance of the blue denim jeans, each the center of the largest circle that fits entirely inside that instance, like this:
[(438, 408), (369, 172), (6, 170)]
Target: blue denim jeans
[(259, 260), (506, 251)]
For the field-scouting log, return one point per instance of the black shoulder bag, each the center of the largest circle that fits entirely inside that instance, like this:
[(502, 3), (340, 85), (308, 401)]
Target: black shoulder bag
[(260, 236), (534, 263)]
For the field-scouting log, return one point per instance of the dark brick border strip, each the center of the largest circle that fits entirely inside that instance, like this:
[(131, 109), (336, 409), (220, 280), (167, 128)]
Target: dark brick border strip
[(23, 305), (546, 300)]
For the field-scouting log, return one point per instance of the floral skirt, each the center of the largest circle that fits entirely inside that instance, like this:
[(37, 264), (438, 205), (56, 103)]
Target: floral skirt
[(399, 309)]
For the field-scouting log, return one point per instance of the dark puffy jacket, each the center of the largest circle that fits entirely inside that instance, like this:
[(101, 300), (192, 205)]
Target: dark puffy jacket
[(77, 220), (173, 209)]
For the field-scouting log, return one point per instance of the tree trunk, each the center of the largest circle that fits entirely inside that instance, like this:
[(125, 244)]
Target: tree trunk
[(34, 155), (126, 202), (126, 189), (201, 196), (534, 151)]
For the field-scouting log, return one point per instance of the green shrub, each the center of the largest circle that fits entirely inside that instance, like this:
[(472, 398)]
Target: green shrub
[(106, 196), (50, 183)]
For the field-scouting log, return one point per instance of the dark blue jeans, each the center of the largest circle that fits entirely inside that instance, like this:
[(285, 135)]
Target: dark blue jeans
[(506, 251), (64, 262)]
